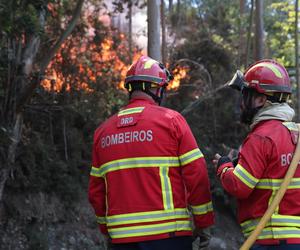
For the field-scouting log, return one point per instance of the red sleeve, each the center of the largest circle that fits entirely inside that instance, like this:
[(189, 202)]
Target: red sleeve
[(241, 180), (194, 173), (97, 191)]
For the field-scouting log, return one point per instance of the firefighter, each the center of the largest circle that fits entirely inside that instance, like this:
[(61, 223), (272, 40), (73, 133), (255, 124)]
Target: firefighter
[(265, 156), (148, 175)]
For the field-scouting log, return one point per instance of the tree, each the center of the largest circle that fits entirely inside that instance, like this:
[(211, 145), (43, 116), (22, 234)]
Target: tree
[(24, 25), (153, 13), (249, 33), (163, 31), (242, 38), (259, 31), (130, 29), (170, 6)]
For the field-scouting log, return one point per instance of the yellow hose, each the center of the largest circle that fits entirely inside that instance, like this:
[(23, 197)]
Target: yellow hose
[(278, 197)]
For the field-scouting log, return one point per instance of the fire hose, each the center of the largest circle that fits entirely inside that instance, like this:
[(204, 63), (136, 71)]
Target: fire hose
[(278, 197)]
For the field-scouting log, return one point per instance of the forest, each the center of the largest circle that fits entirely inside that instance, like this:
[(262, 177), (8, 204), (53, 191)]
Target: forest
[(62, 69)]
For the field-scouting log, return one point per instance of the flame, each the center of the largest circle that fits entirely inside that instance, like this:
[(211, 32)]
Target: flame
[(179, 73), (103, 62), (83, 63)]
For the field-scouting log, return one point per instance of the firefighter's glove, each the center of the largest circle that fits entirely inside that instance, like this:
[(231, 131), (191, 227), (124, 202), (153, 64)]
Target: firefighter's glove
[(224, 163), (223, 160), (204, 237)]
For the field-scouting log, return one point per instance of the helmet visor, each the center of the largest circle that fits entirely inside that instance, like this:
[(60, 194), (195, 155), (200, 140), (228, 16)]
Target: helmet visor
[(238, 82)]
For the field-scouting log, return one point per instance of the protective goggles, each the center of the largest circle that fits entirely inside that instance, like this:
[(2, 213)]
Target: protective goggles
[(238, 81)]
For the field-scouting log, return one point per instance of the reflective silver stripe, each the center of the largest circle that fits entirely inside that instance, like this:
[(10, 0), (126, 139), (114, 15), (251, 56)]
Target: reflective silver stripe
[(146, 217), (275, 183), (190, 156), (279, 232), (131, 111), (101, 220), (149, 229), (166, 189), (140, 162), (276, 220), (202, 209), (95, 172), (245, 176)]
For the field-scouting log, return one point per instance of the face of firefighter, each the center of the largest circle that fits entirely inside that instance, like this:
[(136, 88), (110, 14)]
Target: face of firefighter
[(251, 103)]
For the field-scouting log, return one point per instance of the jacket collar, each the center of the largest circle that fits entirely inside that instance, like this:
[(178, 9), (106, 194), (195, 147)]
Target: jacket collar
[(143, 99)]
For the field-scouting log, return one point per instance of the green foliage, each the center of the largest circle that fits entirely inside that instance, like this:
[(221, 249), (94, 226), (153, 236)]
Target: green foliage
[(18, 17), (280, 27)]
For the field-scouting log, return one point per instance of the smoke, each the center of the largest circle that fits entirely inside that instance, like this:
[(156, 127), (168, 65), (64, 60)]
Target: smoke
[(121, 22)]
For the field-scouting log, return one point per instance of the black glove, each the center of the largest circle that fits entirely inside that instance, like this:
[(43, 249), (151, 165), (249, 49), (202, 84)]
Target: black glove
[(223, 160), (204, 237)]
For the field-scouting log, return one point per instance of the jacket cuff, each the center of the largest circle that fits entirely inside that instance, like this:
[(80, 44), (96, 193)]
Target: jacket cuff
[(224, 167), (204, 221)]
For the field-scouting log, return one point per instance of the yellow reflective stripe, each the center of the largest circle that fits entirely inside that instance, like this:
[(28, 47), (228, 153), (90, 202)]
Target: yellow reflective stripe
[(275, 221), (190, 156), (131, 111), (202, 209), (140, 162), (95, 172), (153, 229), (101, 220), (279, 233), (149, 64), (166, 188), (151, 216), (274, 69), (245, 176), (275, 184)]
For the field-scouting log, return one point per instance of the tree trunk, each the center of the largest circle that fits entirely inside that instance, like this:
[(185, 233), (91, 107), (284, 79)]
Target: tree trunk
[(259, 31), (11, 156), (28, 91), (170, 7), (178, 7), (250, 22), (154, 29), (242, 32), (130, 30), (163, 33)]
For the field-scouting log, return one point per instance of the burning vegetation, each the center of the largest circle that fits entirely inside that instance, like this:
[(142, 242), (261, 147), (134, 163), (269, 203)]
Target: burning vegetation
[(98, 59)]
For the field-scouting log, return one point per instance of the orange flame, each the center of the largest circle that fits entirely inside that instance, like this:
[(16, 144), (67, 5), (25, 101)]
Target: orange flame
[(179, 73), (104, 60)]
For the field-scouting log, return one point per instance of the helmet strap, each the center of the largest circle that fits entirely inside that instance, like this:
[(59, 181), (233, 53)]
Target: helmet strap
[(158, 96), (278, 97), (145, 87)]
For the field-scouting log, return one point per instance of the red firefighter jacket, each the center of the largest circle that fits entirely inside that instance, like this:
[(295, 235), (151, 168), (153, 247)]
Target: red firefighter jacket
[(263, 161), (147, 169)]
